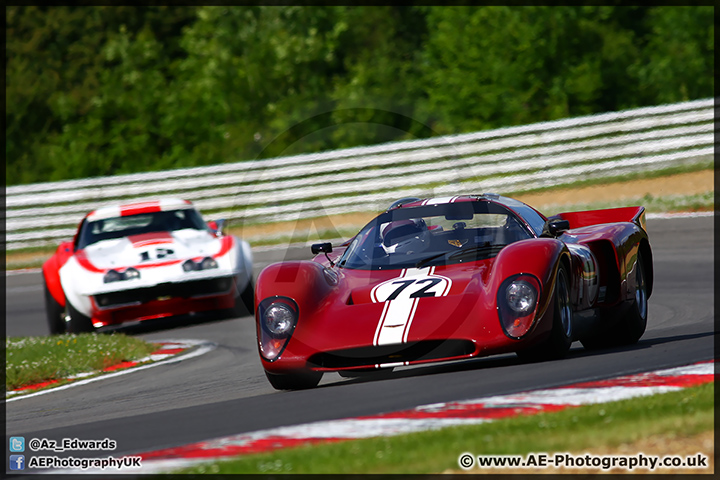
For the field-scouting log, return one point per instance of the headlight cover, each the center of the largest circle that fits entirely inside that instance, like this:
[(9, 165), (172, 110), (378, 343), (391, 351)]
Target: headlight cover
[(521, 297), (204, 264), (131, 273), (208, 263), (276, 318), (116, 276), (517, 300), (279, 319), (112, 276)]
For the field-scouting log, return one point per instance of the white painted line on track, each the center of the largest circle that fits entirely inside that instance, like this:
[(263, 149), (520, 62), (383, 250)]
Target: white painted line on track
[(430, 417), (203, 348), (669, 215), (21, 271)]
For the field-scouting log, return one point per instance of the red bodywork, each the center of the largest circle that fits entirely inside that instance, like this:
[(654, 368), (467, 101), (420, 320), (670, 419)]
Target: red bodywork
[(51, 271), (171, 301), (339, 323)]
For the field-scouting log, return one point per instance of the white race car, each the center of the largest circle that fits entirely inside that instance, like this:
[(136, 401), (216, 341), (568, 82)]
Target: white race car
[(130, 263)]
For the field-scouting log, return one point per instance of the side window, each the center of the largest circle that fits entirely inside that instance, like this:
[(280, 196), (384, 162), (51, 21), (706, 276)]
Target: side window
[(78, 241), (535, 221), (531, 216)]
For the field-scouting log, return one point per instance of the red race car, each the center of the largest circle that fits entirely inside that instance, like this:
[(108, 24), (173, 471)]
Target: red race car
[(455, 278)]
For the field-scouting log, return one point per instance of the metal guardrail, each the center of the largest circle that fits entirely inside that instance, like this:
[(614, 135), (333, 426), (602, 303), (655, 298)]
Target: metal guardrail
[(362, 179)]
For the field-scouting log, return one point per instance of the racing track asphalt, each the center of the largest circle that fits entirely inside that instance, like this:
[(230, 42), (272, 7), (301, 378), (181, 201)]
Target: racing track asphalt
[(225, 392)]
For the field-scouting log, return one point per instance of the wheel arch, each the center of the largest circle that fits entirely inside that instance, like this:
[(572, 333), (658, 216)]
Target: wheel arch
[(303, 281), (51, 271), (646, 253), (608, 264), (565, 260)]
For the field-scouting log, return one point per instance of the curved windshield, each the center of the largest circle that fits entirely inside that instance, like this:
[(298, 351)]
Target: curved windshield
[(118, 227), (434, 235)]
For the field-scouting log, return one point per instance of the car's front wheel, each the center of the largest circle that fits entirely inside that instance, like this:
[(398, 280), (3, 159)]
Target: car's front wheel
[(245, 302), (557, 345), (76, 322), (294, 381), (55, 313)]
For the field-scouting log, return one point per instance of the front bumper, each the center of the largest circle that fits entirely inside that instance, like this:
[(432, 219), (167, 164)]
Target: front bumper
[(163, 300)]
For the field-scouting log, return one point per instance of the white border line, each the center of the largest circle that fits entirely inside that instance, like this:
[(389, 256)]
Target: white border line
[(668, 215), (356, 428), (205, 347)]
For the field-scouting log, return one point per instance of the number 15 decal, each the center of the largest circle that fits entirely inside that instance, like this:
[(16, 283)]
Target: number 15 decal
[(411, 287)]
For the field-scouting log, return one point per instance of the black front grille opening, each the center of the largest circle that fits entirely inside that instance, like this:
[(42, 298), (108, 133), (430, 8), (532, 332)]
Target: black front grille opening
[(196, 288), (406, 352)]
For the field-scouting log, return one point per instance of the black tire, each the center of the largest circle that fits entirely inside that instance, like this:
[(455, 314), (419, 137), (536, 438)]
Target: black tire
[(294, 381), (557, 345), (77, 322), (55, 313), (248, 298), (632, 325), (245, 302)]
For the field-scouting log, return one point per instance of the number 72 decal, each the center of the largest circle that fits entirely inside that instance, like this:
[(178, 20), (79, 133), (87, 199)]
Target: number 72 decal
[(400, 296), (412, 284)]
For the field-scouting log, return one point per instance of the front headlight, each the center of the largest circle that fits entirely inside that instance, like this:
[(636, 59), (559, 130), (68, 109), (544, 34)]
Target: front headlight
[(131, 273), (517, 300), (208, 262), (204, 264), (115, 276), (112, 276), (279, 319), (276, 319), (521, 297)]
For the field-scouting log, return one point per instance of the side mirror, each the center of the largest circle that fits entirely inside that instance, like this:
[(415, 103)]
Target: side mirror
[(554, 227), (217, 225), (321, 248)]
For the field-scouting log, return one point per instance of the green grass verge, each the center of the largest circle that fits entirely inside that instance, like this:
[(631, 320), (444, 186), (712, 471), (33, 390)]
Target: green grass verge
[(681, 414), (652, 204), (32, 360), (706, 163)]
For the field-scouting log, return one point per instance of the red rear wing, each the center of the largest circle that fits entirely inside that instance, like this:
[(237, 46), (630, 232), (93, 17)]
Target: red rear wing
[(610, 215)]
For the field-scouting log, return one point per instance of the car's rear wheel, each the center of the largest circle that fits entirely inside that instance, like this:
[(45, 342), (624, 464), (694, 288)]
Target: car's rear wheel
[(557, 345), (75, 321), (294, 381), (632, 326), (55, 313), (635, 321)]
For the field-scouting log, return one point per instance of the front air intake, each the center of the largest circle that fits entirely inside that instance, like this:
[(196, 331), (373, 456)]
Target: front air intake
[(406, 352)]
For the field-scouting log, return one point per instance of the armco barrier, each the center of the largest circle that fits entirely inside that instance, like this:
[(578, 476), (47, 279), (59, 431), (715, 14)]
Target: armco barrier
[(505, 160)]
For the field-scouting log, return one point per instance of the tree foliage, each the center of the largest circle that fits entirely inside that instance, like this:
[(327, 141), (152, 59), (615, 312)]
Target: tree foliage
[(112, 89)]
